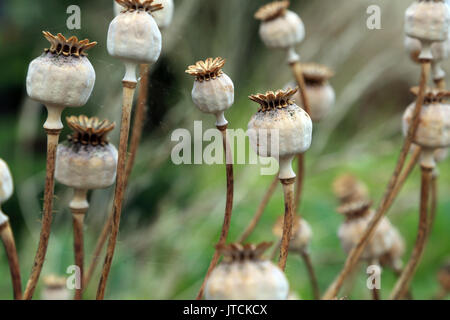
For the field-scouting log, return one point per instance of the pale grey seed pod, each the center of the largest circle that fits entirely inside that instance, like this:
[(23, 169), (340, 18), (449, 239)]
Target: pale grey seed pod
[(393, 258), (55, 288), (61, 77), (87, 161), (6, 182), (244, 275), (133, 35), (427, 21), (280, 28), (348, 188), (301, 233), (213, 90), (280, 129)]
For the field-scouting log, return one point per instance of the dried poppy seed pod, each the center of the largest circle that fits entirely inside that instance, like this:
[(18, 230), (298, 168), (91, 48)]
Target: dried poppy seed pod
[(444, 277), (433, 131), (6, 188), (347, 188), (162, 17), (244, 275), (55, 288), (393, 258), (358, 215), (427, 21), (301, 233), (280, 119), (61, 77), (213, 90), (134, 36), (87, 161), (280, 28), (320, 93)]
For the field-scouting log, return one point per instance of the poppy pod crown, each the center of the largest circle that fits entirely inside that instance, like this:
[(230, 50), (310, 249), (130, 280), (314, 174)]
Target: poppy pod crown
[(140, 5), (355, 209), (316, 74), (272, 10), (209, 69), (67, 47), (274, 100), (432, 95), (90, 131), (239, 253)]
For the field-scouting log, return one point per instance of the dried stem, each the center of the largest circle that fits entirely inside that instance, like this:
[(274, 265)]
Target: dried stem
[(375, 292), (79, 206), (52, 144), (136, 134), (434, 202), (312, 274), (402, 285), (259, 212), (10, 247), (299, 180), (228, 206), (129, 88), (388, 198), (288, 190), (298, 74)]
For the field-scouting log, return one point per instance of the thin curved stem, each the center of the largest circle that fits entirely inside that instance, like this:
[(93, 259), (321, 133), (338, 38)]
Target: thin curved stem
[(136, 135), (298, 74), (288, 191), (312, 274), (10, 247), (47, 216), (78, 223), (434, 202), (402, 285), (128, 93), (299, 180), (228, 207), (388, 198), (259, 212)]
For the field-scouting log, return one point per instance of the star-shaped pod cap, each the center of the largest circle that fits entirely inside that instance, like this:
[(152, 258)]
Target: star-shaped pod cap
[(67, 47), (140, 5), (89, 131), (274, 100), (316, 73), (272, 10), (236, 252), (432, 95), (207, 69)]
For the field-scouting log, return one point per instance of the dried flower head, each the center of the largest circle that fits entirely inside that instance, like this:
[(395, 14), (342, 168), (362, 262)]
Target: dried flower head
[(207, 70), (67, 47), (52, 281), (316, 74), (432, 95), (274, 100), (236, 252), (140, 5), (348, 188), (272, 10), (355, 209), (89, 130), (301, 233)]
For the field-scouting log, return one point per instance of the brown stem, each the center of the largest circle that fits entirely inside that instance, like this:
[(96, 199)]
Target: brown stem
[(388, 198), (398, 273), (299, 180), (10, 247), (434, 202), (228, 207), (375, 292), (136, 135), (288, 190), (129, 88), (276, 247), (402, 285), (298, 74), (312, 274), (52, 144), (259, 212)]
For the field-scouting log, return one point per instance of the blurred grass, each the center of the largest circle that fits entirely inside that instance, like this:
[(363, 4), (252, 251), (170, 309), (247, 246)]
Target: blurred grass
[(173, 213)]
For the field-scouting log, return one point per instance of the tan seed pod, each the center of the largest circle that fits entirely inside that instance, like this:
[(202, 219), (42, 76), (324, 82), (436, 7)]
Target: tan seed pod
[(245, 275), (55, 288), (213, 90), (393, 258), (87, 161), (280, 129), (444, 277), (301, 233), (347, 188)]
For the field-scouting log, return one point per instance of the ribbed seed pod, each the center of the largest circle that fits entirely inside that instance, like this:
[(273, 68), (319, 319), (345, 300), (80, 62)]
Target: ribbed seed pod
[(245, 275), (87, 161), (280, 28), (55, 288), (427, 21), (358, 215), (61, 77), (433, 131), (279, 117), (133, 35), (301, 233), (213, 90), (347, 188), (320, 93)]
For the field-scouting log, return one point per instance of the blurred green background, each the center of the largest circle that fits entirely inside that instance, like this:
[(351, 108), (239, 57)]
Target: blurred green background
[(173, 214)]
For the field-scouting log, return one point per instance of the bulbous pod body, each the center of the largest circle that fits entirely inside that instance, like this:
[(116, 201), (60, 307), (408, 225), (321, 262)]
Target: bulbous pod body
[(301, 233), (350, 232), (62, 76), (6, 182), (213, 90), (86, 167), (393, 258), (427, 20), (134, 36), (55, 288), (164, 17), (246, 277), (434, 123), (87, 161)]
